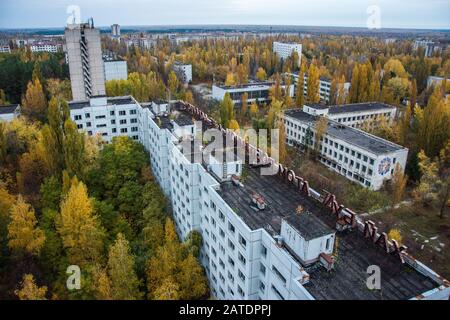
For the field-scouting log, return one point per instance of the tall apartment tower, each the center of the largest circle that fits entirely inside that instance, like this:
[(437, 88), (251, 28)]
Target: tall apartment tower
[(115, 30), (84, 53), (285, 49)]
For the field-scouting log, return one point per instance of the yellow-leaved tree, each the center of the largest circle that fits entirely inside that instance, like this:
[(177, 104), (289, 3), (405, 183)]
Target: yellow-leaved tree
[(169, 290), (233, 125), (34, 104), (124, 281), (399, 180), (244, 104), (23, 233), (395, 235), (341, 94), (300, 86), (261, 74), (254, 108), (433, 124), (230, 81), (172, 82), (29, 290), (166, 261), (192, 284), (274, 110), (282, 152), (79, 228), (312, 92), (101, 284), (321, 127), (6, 202), (174, 272), (188, 97)]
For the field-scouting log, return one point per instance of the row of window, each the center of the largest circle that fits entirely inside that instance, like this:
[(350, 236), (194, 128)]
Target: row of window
[(331, 143), (87, 115), (351, 163), (349, 151), (113, 130), (113, 122), (363, 117), (352, 175)]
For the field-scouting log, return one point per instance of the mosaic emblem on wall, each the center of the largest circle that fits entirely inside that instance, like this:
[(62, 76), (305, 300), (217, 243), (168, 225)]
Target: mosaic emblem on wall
[(384, 166)]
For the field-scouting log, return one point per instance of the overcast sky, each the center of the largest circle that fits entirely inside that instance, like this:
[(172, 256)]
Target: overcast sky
[(351, 13)]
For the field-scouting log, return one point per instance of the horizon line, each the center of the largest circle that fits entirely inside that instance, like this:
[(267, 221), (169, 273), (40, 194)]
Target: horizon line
[(242, 25)]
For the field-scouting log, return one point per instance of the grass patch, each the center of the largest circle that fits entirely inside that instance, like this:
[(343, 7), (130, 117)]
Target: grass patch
[(426, 235)]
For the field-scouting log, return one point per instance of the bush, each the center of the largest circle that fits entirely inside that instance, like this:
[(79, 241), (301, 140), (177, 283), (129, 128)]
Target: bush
[(364, 200)]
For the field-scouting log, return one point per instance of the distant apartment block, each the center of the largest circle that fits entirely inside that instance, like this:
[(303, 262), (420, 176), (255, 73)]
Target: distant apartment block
[(87, 74), (355, 154), (390, 40), (257, 91), (324, 86), (428, 46), (45, 47), (115, 31), (146, 43), (286, 49), (354, 114), (435, 81), (183, 71), (10, 112), (140, 40), (21, 43), (115, 68), (191, 37), (5, 48)]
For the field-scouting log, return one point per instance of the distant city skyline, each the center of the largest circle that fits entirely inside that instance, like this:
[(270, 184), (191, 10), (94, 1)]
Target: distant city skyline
[(415, 14)]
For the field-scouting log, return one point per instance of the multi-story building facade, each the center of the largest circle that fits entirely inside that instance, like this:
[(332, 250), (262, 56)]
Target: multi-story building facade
[(254, 253), (115, 68), (257, 91), (428, 46), (355, 154), (45, 46), (354, 114), (183, 71), (21, 43), (265, 236), (5, 48), (10, 112), (107, 117), (115, 31), (435, 81), (87, 74), (140, 40), (285, 50), (324, 86)]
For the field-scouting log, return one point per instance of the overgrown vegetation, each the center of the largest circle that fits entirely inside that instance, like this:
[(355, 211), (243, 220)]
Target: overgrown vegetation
[(68, 199), (425, 234), (350, 194), (19, 68)]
